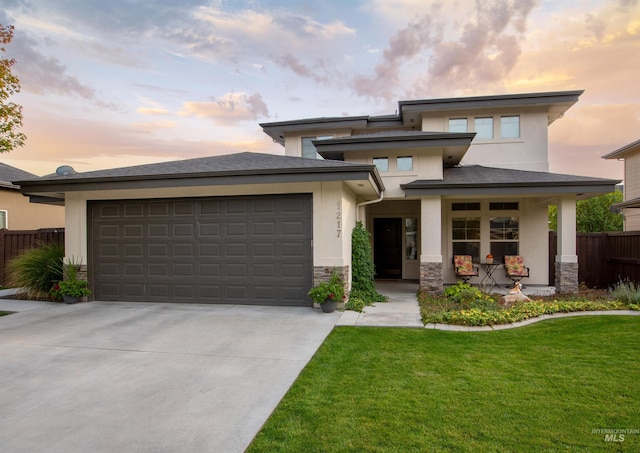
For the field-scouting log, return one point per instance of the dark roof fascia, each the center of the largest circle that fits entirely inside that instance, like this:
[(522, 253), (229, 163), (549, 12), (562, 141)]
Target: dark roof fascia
[(334, 148), (506, 190), (352, 172), (620, 152), (633, 203), (277, 130), (507, 100), (8, 185)]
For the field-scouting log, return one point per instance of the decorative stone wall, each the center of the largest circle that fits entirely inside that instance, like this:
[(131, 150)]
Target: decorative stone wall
[(431, 277), (566, 277)]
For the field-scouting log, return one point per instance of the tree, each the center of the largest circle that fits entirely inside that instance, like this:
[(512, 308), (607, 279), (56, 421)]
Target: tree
[(10, 113), (593, 214)]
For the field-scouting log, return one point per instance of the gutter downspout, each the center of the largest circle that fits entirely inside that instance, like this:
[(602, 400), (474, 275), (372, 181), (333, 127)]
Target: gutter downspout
[(368, 202)]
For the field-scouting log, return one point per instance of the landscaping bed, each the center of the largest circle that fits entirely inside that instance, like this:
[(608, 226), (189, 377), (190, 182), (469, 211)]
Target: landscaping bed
[(463, 304)]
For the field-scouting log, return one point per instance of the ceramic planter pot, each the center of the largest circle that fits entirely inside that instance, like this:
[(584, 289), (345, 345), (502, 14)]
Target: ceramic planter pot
[(329, 306), (70, 299)]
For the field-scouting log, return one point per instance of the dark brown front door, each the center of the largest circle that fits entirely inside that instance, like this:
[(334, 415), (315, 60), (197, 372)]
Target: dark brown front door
[(387, 247)]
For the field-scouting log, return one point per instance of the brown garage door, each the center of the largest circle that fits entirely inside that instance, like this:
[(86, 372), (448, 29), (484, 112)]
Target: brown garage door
[(235, 250)]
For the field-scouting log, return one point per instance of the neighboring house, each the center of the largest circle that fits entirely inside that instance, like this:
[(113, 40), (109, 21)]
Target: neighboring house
[(440, 177), (631, 205), (16, 212)]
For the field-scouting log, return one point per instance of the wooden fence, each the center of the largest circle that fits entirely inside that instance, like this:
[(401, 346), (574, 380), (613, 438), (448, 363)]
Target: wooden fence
[(14, 242), (603, 258)]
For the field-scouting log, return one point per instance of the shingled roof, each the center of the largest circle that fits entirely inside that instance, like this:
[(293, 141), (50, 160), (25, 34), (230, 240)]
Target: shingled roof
[(239, 168), (477, 179), (8, 174)]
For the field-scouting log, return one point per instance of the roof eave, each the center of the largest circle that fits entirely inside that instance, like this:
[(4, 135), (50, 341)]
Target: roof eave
[(505, 189), (351, 172), (621, 152)]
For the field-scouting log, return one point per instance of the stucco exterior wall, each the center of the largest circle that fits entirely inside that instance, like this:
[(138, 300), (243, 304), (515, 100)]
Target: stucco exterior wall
[(426, 165), (23, 215), (529, 152)]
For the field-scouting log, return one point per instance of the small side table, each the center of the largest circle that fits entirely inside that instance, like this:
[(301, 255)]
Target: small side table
[(489, 279)]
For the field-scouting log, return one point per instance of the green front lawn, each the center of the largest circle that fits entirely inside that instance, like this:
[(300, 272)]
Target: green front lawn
[(544, 387)]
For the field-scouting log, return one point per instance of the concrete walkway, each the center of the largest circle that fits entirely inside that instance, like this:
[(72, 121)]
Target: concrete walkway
[(402, 309)]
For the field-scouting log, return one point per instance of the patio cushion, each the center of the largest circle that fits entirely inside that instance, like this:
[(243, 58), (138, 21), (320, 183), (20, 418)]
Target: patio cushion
[(514, 265), (464, 265)]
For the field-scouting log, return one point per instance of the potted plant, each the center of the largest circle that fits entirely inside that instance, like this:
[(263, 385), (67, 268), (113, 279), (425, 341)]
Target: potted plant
[(328, 293), (71, 289)]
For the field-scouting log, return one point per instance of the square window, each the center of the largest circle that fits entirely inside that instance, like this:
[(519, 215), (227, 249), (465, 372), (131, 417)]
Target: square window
[(405, 163), (510, 127), (484, 128), (458, 125), (309, 149), (382, 163)]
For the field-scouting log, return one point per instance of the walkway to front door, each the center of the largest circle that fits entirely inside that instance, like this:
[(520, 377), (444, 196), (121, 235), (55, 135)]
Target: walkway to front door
[(401, 310)]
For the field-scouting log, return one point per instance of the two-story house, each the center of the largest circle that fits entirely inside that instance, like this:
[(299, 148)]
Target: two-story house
[(630, 206), (440, 177)]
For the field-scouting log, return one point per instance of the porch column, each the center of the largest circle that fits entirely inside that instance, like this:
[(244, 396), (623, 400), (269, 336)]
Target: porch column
[(567, 260), (431, 269)]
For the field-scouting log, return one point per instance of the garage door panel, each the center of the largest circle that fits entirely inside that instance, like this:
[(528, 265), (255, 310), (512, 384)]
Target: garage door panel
[(134, 210), (245, 250)]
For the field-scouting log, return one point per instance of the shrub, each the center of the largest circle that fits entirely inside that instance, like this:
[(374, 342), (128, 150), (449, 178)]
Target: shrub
[(626, 291), (466, 295), (363, 270), (37, 270), (355, 304)]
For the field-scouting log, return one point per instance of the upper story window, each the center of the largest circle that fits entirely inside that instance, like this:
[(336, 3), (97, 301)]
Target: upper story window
[(309, 149), (405, 163), (3, 219), (458, 125), (484, 128), (510, 126), (382, 163)]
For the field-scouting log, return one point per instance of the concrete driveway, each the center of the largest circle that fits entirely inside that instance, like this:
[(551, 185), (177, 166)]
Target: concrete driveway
[(148, 377)]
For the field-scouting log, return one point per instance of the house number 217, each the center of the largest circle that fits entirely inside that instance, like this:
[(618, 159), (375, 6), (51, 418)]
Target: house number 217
[(339, 218)]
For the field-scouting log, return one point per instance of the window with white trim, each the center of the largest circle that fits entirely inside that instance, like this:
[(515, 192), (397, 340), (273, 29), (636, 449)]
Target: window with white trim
[(382, 163), (405, 163), (504, 234), (484, 127), (510, 126), (466, 236), (3, 219), (479, 228), (458, 125)]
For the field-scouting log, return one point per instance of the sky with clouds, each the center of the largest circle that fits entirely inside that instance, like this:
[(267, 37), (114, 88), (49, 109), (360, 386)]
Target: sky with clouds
[(124, 82)]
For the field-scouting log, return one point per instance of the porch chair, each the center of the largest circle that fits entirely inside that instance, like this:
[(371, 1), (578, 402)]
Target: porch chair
[(515, 268), (464, 267)]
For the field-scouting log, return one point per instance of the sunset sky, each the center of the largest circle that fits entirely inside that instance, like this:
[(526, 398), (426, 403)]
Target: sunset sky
[(122, 82)]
